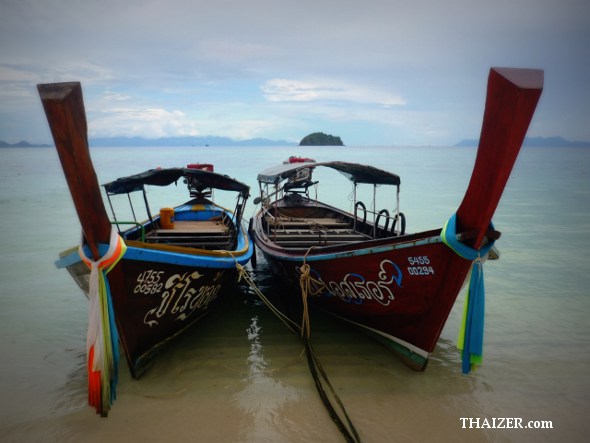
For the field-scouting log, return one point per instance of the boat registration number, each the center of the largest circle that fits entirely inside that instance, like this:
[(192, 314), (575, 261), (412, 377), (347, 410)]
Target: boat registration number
[(419, 265)]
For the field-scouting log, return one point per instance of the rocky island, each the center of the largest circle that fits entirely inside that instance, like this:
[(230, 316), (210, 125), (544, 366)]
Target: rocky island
[(320, 139)]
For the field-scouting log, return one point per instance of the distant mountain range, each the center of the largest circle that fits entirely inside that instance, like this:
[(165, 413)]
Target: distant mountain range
[(551, 142), (186, 141), (164, 141), (554, 142), (22, 145)]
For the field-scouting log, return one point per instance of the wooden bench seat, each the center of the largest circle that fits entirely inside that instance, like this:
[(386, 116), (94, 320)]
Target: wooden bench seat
[(310, 231), (196, 227), (201, 245), (208, 234), (320, 237), (291, 223), (308, 244), (302, 238), (186, 238)]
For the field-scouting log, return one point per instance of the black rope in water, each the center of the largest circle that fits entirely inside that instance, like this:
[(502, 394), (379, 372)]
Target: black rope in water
[(347, 429), (317, 371)]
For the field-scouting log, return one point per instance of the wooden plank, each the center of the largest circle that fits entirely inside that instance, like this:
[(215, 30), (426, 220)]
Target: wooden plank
[(207, 246), (189, 232), (311, 231), (320, 220), (327, 223), (193, 238), (355, 237), (191, 226), (307, 244)]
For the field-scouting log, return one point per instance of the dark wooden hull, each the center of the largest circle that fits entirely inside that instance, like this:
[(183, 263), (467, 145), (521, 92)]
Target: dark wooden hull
[(400, 289), (158, 299)]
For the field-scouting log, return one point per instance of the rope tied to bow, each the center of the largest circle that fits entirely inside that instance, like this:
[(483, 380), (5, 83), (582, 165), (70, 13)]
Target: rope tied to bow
[(305, 283)]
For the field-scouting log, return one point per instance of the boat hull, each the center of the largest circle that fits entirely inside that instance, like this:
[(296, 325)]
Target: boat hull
[(400, 290), (161, 293)]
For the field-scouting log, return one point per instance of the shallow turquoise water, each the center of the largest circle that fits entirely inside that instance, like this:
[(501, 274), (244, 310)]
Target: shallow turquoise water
[(241, 375)]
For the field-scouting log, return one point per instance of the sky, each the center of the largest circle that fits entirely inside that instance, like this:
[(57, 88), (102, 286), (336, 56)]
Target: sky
[(374, 72)]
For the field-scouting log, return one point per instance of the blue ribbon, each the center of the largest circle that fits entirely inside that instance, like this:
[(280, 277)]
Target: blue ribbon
[(114, 341), (473, 315)]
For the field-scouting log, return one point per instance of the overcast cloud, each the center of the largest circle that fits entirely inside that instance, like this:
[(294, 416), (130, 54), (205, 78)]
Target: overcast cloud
[(376, 72)]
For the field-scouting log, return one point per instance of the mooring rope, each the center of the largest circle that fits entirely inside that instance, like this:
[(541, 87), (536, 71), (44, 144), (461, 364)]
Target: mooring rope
[(305, 283), (243, 274), (320, 377), (346, 427)]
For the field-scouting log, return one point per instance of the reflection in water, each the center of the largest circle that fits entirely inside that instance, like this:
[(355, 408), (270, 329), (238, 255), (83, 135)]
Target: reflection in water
[(73, 394), (262, 397)]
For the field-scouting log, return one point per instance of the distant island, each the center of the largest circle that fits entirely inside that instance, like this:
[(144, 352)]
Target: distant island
[(320, 139), (539, 142)]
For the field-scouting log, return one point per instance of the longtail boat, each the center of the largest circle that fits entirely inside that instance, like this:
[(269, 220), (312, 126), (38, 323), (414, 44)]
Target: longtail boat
[(364, 268), (150, 279)]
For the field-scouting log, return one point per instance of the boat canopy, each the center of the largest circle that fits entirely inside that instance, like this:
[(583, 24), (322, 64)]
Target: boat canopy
[(355, 172), (167, 176)]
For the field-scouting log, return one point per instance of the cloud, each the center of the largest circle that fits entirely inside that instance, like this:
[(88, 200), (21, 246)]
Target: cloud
[(380, 67), (281, 90), (12, 73), (144, 122), (115, 96)]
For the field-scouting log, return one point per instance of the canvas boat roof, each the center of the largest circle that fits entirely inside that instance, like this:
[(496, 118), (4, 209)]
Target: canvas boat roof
[(355, 172), (167, 176)]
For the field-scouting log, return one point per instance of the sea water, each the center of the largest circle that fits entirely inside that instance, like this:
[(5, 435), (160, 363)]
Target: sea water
[(241, 375)]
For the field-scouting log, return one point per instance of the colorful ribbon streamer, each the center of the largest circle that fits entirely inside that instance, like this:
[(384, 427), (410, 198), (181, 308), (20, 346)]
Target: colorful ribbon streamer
[(470, 340), (102, 339)]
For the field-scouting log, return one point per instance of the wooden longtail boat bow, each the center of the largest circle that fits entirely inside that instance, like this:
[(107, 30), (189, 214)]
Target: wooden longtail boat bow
[(512, 97), (64, 108)]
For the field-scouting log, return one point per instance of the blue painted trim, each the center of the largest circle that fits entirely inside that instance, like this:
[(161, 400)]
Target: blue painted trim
[(170, 257), (68, 260)]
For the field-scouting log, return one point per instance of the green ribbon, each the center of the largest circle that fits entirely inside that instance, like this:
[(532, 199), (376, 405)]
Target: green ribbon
[(471, 333)]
